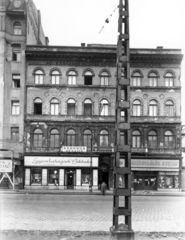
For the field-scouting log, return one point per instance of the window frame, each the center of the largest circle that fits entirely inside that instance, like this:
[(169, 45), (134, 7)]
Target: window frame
[(14, 131), (71, 105), (16, 53), (37, 104), (169, 108), (54, 106), (136, 79), (153, 79), (153, 108), (152, 139), (15, 105), (88, 107), (71, 77), (136, 108), (16, 80), (37, 138), (55, 77), (136, 139), (54, 133), (17, 28), (104, 107), (167, 142), (88, 78), (71, 137), (104, 78), (87, 139), (38, 77), (169, 79), (104, 138)]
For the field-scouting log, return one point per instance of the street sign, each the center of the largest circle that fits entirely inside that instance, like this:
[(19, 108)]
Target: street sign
[(5, 166)]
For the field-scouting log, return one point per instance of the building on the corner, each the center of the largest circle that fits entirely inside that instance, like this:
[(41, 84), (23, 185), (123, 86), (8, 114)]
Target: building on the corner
[(20, 24), (70, 117)]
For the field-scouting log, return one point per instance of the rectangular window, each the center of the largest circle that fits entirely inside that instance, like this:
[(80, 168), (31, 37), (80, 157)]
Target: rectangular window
[(71, 109), (54, 108), (16, 80), (70, 140), (88, 80), (104, 81), (15, 107), (16, 54), (15, 133), (53, 176), (136, 81), (72, 80), (38, 108), (36, 176), (88, 109), (104, 111), (86, 176)]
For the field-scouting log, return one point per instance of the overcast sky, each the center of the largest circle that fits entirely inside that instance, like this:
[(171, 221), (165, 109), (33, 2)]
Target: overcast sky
[(152, 23)]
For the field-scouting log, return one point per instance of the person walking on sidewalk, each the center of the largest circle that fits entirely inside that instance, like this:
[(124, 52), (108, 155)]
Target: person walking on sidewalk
[(103, 188)]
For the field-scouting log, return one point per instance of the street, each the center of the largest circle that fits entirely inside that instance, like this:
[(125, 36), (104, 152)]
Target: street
[(38, 212)]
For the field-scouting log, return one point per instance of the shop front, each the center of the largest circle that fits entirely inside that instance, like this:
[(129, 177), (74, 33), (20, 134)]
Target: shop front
[(62, 172), (155, 174)]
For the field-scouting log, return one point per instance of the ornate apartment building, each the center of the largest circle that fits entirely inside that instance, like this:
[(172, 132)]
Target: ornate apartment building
[(70, 117)]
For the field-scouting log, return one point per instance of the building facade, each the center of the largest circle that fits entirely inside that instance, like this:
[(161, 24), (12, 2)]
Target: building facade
[(70, 117), (20, 24)]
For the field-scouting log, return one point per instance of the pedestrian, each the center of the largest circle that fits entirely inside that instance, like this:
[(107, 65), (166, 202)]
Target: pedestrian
[(103, 188)]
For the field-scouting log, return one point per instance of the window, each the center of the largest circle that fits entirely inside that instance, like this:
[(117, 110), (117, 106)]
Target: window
[(86, 176), (168, 180), (38, 106), (136, 79), (169, 80), (71, 107), (15, 107), (16, 53), (169, 139), (87, 107), (169, 108), (55, 76), (71, 137), (104, 108), (104, 79), (16, 80), (39, 76), (17, 28), (36, 176), (54, 106), (72, 78), (152, 79), (152, 139), (53, 176), (88, 78), (15, 133), (136, 139), (87, 138), (54, 138), (104, 138), (37, 138), (153, 108), (136, 108), (122, 139)]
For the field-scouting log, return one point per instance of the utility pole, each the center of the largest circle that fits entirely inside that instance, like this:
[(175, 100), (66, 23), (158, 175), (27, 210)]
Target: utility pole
[(122, 223)]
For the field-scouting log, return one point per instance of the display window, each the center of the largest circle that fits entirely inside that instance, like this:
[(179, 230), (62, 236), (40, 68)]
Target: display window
[(53, 176), (36, 176), (86, 176), (168, 181), (121, 181)]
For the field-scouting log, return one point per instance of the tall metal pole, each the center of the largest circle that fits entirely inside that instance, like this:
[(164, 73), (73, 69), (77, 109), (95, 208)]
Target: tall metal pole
[(122, 155)]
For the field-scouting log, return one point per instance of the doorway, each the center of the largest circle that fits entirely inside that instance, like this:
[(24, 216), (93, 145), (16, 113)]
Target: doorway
[(103, 175), (70, 180)]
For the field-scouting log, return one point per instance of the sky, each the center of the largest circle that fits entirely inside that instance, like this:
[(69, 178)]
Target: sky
[(152, 23)]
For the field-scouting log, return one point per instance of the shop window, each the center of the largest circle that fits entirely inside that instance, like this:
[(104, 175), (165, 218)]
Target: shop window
[(87, 138), (15, 133), (53, 176), (153, 108), (104, 78), (37, 106), (16, 80), (136, 79), (71, 107), (168, 181), (104, 108), (71, 77), (152, 139), (104, 138), (54, 138), (15, 107), (55, 76), (17, 28), (54, 106), (37, 138), (36, 176), (71, 137), (16, 53), (169, 108), (169, 139), (169, 80), (137, 108), (88, 107), (136, 139), (153, 79), (39, 76), (88, 78), (86, 176)]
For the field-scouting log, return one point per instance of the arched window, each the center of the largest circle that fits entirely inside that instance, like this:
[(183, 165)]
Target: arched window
[(87, 138), (136, 79), (88, 107), (54, 138), (137, 108), (17, 28), (71, 77), (153, 108), (104, 138), (55, 76), (104, 108), (169, 80), (88, 78), (136, 139), (54, 106), (71, 137), (152, 139), (71, 107), (39, 76), (152, 79), (37, 106), (169, 108), (37, 138), (169, 139), (104, 78)]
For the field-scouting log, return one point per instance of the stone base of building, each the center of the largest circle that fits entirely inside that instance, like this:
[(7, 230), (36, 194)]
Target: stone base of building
[(121, 234)]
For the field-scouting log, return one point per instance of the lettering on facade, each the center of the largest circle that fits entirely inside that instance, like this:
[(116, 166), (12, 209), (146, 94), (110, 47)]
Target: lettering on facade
[(146, 65), (155, 163), (5, 166)]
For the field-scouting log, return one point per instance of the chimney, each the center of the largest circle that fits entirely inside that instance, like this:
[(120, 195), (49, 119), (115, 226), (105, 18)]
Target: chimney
[(82, 44), (160, 47)]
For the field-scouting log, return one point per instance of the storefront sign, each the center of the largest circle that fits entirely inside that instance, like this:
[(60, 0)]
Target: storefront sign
[(61, 161), (5, 166), (154, 163), (74, 149)]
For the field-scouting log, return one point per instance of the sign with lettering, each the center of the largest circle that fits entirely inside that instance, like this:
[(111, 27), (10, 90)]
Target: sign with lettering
[(154, 163), (61, 161), (5, 166), (74, 149)]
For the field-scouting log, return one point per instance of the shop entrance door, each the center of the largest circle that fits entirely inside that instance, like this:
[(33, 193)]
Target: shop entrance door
[(104, 175), (145, 182), (70, 180)]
